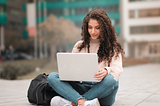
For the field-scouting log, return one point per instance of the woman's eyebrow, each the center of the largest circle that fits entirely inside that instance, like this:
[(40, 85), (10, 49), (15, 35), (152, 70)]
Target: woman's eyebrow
[(95, 26)]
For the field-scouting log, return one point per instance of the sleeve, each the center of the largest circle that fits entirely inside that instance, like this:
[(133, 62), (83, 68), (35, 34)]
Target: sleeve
[(116, 65), (75, 47)]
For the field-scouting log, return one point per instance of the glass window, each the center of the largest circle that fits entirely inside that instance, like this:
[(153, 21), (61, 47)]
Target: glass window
[(17, 1), (155, 49), (145, 29), (143, 0), (131, 14), (14, 26), (144, 13), (149, 12), (81, 10), (53, 0), (14, 12), (112, 8), (150, 49), (2, 10), (55, 11)]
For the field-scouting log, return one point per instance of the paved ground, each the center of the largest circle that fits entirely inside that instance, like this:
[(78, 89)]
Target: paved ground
[(139, 86)]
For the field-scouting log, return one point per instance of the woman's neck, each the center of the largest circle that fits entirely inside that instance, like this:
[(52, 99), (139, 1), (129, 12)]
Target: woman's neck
[(94, 40)]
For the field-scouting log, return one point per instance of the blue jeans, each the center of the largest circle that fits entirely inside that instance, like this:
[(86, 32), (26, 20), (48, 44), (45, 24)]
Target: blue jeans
[(105, 90)]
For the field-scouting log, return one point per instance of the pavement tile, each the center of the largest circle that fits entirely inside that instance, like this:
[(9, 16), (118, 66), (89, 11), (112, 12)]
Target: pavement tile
[(153, 100), (139, 86), (124, 102), (158, 92)]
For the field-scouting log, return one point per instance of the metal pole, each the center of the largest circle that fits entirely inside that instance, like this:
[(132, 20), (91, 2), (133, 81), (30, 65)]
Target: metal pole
[(45, 16), (2, 35), (35, 38), (40, 33)]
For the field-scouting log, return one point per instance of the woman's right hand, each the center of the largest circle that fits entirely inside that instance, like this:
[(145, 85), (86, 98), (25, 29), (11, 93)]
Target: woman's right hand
[(101, 74)]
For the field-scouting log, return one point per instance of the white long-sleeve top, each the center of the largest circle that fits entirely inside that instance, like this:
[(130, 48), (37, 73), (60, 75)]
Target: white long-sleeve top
[(115, 67)]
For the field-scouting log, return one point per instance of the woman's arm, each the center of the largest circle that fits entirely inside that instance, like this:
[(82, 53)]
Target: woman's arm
[(115, 69)]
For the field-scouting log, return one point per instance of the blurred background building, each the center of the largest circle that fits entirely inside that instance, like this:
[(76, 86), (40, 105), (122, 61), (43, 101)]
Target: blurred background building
[(12, 28), (74, 10), (137, 23), (140, 21)]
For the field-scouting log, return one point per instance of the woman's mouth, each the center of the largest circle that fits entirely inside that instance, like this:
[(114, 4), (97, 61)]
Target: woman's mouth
[(93, 35)]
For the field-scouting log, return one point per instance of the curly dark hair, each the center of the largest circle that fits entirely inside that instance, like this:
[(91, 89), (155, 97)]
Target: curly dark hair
[(109, 46)]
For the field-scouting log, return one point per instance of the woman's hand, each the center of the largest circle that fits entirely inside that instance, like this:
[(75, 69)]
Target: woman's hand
[(101, 74)]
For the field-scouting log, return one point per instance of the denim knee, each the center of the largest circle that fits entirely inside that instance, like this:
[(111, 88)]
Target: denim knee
[(109, 79), (52, 77)]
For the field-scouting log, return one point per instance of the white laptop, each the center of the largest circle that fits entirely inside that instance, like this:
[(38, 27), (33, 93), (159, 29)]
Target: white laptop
[(77, 66)]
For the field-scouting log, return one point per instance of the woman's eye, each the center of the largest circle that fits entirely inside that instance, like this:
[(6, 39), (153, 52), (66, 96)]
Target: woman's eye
[(90, 27), (98, 28)]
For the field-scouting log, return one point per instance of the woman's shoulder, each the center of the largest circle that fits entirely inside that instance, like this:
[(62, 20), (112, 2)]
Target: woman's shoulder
[(75, 48), (78, 43)]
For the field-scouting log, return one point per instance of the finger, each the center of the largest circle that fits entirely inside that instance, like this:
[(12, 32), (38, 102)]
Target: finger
[(99, 78), (100, 70), (100, 74)]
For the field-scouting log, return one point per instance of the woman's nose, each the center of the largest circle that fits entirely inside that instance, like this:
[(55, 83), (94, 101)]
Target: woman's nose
[(93, 30)]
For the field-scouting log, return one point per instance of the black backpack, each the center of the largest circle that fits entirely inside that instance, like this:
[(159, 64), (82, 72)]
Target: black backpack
[(40, 92)]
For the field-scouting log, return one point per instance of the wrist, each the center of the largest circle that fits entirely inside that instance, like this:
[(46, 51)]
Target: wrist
[(106, 71)]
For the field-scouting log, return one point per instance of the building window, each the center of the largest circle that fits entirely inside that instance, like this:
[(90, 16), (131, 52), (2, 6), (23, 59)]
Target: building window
[(112, 8), (145, 29), (14, 26), (150, 49), (144, 13), (56, 11), (13, 11), (159, 48), (81, 11), (2, 9), (143, 0), (155, 49)]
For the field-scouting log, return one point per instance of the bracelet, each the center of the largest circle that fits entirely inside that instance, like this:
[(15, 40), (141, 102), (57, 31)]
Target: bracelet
[(106, 70)]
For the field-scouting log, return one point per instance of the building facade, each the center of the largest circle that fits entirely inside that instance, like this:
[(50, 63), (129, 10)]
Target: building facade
[(75, 10), (11, 16), (140, 21)]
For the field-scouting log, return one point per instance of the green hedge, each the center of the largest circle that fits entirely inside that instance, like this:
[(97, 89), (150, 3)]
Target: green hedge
[(12, 69)]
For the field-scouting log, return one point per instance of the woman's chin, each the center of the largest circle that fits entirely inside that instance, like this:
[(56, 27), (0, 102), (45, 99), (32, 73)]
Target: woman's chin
[(94, 37)]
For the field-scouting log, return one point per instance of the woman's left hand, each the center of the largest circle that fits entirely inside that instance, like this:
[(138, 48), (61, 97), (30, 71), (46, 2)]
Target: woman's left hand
[(101, 74)]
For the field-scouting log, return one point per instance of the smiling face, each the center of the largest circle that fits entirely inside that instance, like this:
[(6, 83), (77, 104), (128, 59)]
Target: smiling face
[(94, 28)]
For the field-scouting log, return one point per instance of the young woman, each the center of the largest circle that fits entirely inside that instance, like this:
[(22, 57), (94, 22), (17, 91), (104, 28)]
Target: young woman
[(98, 36)]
